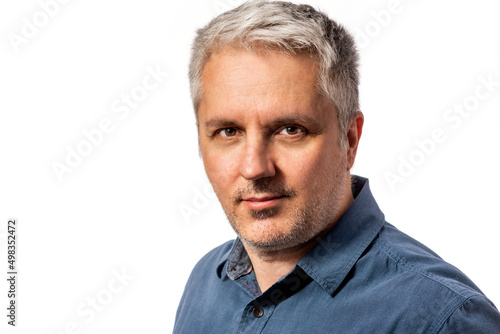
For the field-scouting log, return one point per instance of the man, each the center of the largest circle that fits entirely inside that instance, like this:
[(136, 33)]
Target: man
[(275, 91)]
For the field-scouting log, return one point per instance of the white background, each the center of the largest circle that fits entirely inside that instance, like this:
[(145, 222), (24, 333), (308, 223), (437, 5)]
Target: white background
[(120, 208)]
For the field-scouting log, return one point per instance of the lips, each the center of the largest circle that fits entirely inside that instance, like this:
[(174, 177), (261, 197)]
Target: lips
[(262, 202)]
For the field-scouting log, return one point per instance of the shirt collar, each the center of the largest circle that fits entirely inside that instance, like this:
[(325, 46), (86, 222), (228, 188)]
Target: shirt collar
[(329, 262), (237, 260)]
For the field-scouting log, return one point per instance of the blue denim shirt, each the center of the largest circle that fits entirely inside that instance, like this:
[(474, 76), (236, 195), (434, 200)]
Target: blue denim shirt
[(364, 276)]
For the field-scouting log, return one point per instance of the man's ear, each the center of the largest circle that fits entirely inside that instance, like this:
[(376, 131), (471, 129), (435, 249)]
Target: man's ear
[(354, 130)]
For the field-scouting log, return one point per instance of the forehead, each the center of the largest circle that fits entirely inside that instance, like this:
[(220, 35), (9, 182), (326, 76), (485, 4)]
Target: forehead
[(273, 66), (236, 79)]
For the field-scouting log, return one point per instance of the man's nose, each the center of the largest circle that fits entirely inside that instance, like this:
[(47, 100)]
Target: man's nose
[(256, 162)]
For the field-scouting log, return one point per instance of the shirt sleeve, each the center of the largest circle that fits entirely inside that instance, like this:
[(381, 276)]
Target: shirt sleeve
[(477, 315)]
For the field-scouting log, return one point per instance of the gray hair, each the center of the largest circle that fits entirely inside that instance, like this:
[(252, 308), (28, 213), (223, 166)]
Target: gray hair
[(291, 29)]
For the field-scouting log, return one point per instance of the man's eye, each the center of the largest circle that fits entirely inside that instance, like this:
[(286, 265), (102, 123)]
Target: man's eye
[(291, 130), (228, 132)]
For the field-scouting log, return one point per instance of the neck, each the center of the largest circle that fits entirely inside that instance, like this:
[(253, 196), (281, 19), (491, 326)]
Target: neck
[(270, 265)]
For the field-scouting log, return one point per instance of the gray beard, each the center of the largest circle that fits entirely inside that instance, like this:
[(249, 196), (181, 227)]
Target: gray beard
[(307, 223)]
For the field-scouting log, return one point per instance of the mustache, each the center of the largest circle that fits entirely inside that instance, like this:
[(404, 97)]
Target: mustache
[(263, 186)]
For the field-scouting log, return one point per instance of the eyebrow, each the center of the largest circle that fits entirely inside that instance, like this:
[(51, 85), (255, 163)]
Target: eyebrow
[(219, 123), (294, 118), (297, 119)]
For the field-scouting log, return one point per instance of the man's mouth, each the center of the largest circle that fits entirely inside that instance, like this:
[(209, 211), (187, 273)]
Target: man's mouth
[(262, 201)]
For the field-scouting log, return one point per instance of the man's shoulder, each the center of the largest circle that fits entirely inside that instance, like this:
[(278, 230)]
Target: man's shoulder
[(411, 256), (205, 273), (201, 290), (210, 261), (421, 281)]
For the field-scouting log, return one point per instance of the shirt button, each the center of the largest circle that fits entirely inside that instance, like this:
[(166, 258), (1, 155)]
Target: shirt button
[(258, 312)]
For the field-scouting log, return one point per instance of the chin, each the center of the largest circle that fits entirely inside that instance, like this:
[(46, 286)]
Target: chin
[(267, 236)]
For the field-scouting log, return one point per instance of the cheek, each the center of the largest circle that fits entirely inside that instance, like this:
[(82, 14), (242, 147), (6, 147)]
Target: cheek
[(310, 171), (221, 168), (300, 168)]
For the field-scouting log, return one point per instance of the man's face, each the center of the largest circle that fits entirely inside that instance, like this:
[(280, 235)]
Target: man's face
[(270, 146)]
